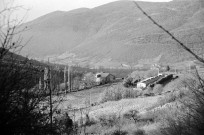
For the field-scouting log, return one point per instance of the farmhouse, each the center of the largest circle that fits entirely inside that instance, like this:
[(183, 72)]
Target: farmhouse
[(102, 78)]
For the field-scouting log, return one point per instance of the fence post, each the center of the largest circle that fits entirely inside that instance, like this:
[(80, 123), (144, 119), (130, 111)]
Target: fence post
[(47, 87), (69, 78), (65, 79), (40, 84)]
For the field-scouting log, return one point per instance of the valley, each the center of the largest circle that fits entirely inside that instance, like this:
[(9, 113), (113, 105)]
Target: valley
[(106, 70)]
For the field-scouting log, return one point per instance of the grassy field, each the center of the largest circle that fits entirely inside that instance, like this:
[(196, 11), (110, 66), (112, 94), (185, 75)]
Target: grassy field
[(78, 100), (143, 114), (123, 106)]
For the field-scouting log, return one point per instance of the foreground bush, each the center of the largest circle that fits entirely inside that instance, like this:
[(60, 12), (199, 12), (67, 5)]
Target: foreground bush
[(139, 132), (108, 120), (185, 115), (119, 132)]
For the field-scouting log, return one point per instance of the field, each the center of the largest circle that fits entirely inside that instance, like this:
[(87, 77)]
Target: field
[(143, 114), (77, 99), (89, 102)]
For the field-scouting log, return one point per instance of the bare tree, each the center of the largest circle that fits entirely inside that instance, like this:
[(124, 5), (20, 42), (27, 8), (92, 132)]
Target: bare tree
[(11, 28), (21, 101)]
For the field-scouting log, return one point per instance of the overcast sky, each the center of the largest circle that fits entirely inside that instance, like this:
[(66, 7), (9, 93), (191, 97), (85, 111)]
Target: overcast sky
[(38, 8)]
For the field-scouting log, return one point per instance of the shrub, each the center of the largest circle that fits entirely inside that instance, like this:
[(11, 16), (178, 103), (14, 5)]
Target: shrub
[(114, 131), (174, 96), (139, 132), (132, 114), (89, 121), (130, 93), (127, 82), (188, 115), (111, 94), (148, 117), (108, 120), (117, 132), (116, 93)]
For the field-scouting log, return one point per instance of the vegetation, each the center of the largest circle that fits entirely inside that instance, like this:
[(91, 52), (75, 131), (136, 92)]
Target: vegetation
[(24, 107), (118, 92), (158, 89)]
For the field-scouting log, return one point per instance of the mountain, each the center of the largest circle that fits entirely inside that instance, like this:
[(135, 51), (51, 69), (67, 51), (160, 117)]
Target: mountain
[(117, 33)]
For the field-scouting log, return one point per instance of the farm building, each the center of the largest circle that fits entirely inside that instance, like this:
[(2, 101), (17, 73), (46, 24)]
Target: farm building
[(144, 83), (102, 78)]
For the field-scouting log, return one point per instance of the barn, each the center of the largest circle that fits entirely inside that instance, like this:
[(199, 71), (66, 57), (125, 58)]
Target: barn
[(144, 83), (103, 78)]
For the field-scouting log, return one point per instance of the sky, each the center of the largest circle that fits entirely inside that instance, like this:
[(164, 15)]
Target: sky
[(37, 8)]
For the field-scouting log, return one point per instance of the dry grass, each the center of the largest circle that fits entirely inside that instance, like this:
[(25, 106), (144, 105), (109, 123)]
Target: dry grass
[(153, 112), (158, 89), (123, 105)]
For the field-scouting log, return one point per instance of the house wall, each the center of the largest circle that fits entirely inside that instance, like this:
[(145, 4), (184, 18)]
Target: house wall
[(141, 85), (106, 79)]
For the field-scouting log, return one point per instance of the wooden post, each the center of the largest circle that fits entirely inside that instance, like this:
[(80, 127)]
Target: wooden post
[(40, 83), (65, 79), (47, 87), (69, 78), (46, 78)]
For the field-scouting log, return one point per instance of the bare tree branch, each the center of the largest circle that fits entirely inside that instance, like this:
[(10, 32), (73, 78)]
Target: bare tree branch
[(171, 35)]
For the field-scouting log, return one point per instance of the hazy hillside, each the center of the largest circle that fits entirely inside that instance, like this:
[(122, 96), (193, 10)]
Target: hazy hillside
[(118, 33)]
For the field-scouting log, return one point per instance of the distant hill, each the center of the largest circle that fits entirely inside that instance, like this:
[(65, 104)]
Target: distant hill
[(117, 33)]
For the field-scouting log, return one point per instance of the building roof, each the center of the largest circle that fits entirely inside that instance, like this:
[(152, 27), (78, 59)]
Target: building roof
[(104, 74), (152, 79)]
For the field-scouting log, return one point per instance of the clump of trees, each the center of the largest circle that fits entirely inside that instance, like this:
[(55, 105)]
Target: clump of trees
[(88, 80)]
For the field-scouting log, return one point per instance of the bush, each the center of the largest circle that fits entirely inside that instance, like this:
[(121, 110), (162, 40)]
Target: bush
[(130, 93), (119, 132), (139, 132), (174, 96), (116, 93), (132, 114), (186, 113), (148, 117), (127, 82), (111, 94), (114, 131), (64, 124), (108, 120)]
